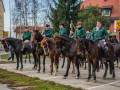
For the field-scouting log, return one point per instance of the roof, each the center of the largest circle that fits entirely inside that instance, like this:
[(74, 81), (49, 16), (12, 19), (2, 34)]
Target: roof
[(3, 5), (113, 4), (31, 28)]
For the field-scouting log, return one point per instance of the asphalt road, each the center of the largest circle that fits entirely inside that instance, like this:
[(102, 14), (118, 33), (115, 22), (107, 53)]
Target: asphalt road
[(107, 84)]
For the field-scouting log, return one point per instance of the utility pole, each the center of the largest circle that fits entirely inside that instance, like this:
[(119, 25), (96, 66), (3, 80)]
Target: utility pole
[(21, 17), (10, 16)]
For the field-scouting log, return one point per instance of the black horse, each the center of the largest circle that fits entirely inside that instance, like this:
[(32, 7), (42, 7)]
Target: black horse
[(67, 47), (37, 37), (17, 46)]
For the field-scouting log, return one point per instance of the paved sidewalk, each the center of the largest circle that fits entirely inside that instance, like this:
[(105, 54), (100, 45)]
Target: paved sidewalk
[(101, 84)]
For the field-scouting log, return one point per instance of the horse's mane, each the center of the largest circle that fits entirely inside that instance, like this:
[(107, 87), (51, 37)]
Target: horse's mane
[(66, 38)]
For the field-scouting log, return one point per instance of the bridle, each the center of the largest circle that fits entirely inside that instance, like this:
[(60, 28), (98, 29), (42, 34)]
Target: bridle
[(47, 44), (6, 45)]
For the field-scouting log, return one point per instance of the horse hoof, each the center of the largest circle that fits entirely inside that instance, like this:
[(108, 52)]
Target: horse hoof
[(55, 74), (50, 74), (64, 77), (16, 69), (104, 78), (88, 80), (61, 66), (113, 78), (38, 71), (94, 81), (77, 77), (21, 69)]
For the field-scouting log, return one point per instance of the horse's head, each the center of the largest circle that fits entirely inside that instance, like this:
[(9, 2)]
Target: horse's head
[(37, 35), (59, 43), (45, 45), (80, 46), (5, 45)]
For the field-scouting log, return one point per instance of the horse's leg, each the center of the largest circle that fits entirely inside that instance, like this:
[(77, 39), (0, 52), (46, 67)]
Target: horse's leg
[(106, 68), (89, 69), (73, 63), (94, 69), (56, 64), (21, 62), (68, 67), (17, 56), (85, 63), (77, 65), (35, 61), (113, 68), (39, 64), (25, 58), (29, 58), (118, 61), (43, 63), (51, 68), (63, 62)]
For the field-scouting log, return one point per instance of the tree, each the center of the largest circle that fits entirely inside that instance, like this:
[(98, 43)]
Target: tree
[(90, 15), (64, 11)]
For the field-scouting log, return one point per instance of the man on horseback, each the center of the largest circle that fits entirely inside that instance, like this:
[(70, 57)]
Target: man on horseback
[(26, 37), (71, 35), (100, 34), (62, 31), (80, 31), (48, 32)]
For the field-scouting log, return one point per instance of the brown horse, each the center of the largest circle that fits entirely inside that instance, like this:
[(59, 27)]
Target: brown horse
[(48, 45), (94, 55)]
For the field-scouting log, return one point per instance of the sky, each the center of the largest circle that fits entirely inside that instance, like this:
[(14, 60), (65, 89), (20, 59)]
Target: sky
[(6, 15)]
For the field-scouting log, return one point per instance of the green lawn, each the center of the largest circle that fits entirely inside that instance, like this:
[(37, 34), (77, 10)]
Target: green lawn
[(17, 80), (6, 56), (4, 62)]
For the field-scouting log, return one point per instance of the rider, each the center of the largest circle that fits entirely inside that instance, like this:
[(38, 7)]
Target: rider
[(100, 34), (80, 31), (71, 35), (48, 32), (62, 30), (26, 37), (88, 34)]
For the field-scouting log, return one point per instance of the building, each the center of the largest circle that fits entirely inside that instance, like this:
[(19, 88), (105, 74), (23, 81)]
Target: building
[(17, 30), (110, 8), (2, 10)]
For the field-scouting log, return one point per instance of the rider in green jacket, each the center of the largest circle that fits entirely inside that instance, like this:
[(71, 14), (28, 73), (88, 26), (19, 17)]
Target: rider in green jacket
[(62, 31), (48, 32), (100, 34), (80, 32)]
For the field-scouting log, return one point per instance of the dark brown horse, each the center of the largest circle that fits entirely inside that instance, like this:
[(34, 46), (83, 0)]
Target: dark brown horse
[(37, 38), (48, 45), (94, 55)]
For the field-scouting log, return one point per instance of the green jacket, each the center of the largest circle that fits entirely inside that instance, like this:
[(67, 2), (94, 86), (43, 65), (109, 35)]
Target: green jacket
[(80, 32), (26, 35), (63, 31), (48, 33), (100, 34)]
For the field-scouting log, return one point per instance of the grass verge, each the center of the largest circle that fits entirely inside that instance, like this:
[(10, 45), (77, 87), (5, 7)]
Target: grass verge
[(5, 62), (19, 80)]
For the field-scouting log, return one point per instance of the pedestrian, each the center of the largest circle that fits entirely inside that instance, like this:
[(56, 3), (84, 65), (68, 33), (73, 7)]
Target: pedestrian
[(80, 31), (11, 54), (48, 32)]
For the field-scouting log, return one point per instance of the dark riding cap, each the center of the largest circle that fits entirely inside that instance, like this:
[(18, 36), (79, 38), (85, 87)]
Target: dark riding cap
[(26, 27), (79, 23), (47, 25), (61, 24)]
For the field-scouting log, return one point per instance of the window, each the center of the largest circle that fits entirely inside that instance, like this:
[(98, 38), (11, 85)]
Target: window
[(106, 12)]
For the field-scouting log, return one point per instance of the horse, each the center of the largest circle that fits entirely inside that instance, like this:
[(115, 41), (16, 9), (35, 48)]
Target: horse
[(48, 45), (67, 46), (94, 55), (116, 45), (17, 46), (37, 37)]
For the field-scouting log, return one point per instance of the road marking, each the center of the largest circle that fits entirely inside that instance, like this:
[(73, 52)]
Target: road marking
[(103, 85)]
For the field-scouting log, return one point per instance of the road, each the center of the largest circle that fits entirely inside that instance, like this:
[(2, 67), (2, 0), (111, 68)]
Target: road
[(101, 84)]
